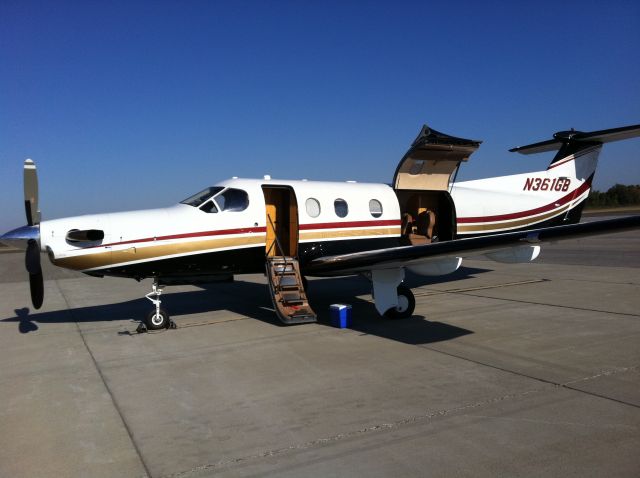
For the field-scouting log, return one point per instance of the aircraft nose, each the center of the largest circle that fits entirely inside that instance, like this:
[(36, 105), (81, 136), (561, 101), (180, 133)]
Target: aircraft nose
[(21, 236)]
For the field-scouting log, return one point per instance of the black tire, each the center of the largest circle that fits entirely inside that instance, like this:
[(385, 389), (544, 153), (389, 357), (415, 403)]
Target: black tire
[(154, 322), (406, 304)]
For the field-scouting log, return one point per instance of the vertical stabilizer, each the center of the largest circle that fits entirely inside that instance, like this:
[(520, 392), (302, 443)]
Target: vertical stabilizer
[(577, 156)]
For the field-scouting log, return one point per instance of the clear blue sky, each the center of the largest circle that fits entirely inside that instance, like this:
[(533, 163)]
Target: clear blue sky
[(132, 104)]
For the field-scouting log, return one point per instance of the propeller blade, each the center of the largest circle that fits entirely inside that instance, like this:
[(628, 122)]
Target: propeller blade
[(31, 192), (36, 283), (32, 257)]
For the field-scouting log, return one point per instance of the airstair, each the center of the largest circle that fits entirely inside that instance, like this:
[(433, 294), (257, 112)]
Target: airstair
[(287, 290)]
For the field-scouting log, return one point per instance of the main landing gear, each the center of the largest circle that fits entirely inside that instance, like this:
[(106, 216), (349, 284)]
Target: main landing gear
[(157, 318), (406, 304), (392, 299)]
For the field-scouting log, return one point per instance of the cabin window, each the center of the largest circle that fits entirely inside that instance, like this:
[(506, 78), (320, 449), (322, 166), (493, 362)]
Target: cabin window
[(209, 206), (375, 208), (313, 207), (341, 207), (232, 200), (199, 198)]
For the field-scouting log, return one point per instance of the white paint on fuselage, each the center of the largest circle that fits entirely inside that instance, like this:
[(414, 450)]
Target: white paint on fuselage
[(505, 195), (486, 197), (124, 230)]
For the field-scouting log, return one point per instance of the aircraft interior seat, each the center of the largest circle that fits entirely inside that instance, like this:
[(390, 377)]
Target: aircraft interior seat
[(425, 223), (407, 224)]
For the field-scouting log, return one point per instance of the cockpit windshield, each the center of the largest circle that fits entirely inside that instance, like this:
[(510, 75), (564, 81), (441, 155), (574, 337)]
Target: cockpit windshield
[(197, 199)]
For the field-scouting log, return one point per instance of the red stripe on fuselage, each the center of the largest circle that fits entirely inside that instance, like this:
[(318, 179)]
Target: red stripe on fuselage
[(517, 215), (248, 230), (342, 225), (222, 232), (575, 156)]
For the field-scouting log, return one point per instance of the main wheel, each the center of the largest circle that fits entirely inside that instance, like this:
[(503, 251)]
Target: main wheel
[(156, 321), (406, 304)]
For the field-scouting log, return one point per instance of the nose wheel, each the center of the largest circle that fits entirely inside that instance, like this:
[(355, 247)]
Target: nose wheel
[(157, 318)]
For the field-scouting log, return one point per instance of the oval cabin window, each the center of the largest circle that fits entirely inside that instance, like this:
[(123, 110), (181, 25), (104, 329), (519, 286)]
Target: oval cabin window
[(341, 207), (375, 208), (313, 207)]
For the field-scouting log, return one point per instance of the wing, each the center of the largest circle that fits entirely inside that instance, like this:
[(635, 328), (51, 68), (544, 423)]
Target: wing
[(444, 257)]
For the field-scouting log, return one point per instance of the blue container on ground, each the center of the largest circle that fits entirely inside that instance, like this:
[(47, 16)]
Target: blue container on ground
[(340, 315)]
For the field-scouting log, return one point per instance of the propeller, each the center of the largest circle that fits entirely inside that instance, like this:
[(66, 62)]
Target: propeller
[(28, 237), (32, 256)]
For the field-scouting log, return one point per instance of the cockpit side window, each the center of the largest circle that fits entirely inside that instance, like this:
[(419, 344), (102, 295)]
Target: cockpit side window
[(199, 198), (209, 206), (232, 199)]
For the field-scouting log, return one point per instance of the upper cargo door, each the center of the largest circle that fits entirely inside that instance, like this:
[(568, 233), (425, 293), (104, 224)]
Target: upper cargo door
[(432, 160)]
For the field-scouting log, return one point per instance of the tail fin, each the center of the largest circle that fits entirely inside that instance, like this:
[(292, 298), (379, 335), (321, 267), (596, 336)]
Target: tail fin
[(570, 144), (575, 163)]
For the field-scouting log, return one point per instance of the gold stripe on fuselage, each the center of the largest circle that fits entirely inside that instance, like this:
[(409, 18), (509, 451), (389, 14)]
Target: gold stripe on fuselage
[(333, 234), (509, 224), (107, 258), (135, 254)]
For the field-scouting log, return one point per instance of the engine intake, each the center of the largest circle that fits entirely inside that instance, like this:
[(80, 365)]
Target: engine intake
[(87, 235)]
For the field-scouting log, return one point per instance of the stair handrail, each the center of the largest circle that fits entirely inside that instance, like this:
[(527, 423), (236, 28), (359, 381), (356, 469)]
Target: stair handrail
[(275, 236)]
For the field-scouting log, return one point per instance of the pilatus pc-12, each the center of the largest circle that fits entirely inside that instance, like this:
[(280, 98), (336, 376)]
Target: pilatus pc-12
[(424, 221)]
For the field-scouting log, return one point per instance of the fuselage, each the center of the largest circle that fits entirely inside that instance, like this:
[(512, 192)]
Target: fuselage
[(226, 229), (184, 240), (543, 198)]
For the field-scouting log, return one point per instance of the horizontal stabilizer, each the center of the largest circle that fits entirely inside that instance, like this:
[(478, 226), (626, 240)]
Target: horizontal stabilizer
[(595, 137)]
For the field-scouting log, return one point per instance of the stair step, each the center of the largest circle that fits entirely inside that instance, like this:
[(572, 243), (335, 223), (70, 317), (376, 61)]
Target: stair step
[(291, 298), (287, 291), (288, 281), (302, 314)]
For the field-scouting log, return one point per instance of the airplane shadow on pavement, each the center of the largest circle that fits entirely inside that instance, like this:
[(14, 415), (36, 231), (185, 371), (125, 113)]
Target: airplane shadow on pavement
[(365, 319), (252, 300)]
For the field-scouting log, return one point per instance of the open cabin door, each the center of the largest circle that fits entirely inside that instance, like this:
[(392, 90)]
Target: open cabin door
[(283, 270), (422, 183), (282, 221)]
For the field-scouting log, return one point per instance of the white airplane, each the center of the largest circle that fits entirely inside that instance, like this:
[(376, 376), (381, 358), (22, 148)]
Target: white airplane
[(424, 222)]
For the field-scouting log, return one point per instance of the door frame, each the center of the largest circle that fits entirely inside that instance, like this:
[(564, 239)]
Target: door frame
[(281, 208)]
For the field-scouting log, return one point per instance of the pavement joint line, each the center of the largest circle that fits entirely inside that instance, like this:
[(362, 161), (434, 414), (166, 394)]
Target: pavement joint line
[(566, 385), (104, 382), (521, 301), (350, 434), (212, 322), (590, 281), (605, 373), (549, 422), (471, 289)]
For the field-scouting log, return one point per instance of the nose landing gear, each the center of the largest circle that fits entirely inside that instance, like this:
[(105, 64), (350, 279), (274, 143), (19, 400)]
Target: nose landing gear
[(157, 318)]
